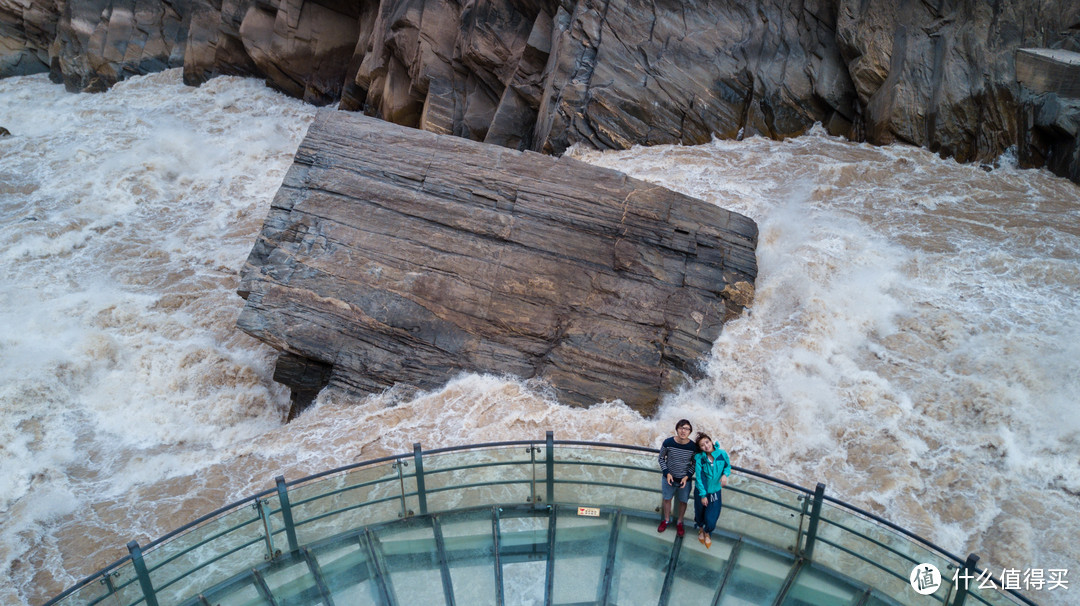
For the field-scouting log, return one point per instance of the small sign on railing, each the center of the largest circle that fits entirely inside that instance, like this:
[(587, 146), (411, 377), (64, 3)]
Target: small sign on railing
[(593, 512)]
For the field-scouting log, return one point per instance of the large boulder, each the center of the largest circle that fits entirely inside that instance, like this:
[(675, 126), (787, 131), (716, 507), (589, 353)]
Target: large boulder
[(546, 74), (397, 256)]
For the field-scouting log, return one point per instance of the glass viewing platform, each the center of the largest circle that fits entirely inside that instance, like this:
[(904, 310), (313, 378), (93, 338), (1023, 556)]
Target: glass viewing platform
[(539, 522)]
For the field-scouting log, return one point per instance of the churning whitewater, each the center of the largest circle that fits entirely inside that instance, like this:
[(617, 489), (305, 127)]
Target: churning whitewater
[(914, 341)]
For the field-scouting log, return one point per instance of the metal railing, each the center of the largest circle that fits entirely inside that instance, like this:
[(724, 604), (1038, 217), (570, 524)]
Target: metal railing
[(806, 523)]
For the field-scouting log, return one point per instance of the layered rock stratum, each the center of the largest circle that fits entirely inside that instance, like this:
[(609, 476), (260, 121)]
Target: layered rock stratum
[(545, 74), (396, 256)]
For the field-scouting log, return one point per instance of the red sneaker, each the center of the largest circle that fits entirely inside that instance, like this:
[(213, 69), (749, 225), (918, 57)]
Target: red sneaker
[(679, 530), (662, 527)]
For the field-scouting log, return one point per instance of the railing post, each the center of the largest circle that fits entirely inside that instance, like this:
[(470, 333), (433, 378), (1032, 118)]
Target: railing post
[(144, 575), (964, 577), (399, 465), (534, 497), (815, 517), (268, 536), (421, 492), (550, 467), (286, 512)]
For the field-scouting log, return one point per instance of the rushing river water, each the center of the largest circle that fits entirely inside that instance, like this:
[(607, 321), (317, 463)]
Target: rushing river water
[(914, 342)]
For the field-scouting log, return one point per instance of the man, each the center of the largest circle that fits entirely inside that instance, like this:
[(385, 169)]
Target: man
[(677, 473)]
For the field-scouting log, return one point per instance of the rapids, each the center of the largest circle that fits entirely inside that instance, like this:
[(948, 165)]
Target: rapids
[(914, 343)]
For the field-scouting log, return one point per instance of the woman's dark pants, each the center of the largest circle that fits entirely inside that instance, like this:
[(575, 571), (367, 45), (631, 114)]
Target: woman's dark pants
[(705, 516)]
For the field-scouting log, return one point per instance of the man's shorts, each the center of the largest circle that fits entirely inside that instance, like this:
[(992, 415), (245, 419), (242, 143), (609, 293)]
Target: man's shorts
[(670, 490)]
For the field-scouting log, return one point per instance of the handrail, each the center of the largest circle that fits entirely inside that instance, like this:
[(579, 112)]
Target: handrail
[(419, 475)]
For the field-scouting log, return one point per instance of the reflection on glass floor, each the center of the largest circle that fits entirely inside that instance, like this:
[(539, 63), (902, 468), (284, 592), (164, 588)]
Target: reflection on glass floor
[(528, 556)]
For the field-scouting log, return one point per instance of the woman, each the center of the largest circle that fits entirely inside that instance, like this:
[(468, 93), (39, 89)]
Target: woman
[(712, 467)]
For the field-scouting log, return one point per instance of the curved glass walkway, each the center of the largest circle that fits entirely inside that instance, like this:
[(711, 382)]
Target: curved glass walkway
[(531, 522)]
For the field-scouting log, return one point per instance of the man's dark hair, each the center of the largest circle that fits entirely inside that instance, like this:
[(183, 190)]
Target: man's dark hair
[(684, 422)]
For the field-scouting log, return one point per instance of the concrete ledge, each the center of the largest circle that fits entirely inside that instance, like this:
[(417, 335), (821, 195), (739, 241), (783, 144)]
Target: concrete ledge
[(1047, 70)]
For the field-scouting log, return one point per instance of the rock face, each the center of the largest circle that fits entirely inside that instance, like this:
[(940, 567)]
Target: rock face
[(393, 255), (545, 74)]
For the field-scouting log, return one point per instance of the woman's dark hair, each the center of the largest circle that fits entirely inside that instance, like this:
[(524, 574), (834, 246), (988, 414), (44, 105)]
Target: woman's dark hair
[(701, 435), (684, 422)]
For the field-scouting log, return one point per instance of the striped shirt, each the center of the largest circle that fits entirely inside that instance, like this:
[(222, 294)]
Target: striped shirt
[(677, 459)]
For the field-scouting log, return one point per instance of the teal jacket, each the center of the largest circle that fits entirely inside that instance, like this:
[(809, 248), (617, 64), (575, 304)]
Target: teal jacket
[(707, 475)]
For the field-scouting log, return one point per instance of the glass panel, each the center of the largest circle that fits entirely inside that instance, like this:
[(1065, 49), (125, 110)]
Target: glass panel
[(470, 556), (523, 545), (292, 584), (346, 570), (630, 480), (875, 555), (581, 552), (239, 594), (411, 558), (171, 563), (523, 535), (878, 600), (641, 562), (360, 497), (815, 587), (697, 574), (523, 583), (757, 578), (757, 510), (510, 468)]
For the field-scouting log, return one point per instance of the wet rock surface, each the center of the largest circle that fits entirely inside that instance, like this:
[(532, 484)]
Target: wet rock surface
[(397, 256)]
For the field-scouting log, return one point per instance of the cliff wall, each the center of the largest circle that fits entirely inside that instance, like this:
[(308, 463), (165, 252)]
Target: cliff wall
[(545, 74)]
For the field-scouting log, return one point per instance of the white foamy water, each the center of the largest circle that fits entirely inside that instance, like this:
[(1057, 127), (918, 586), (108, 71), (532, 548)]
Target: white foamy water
[(913, 344)]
